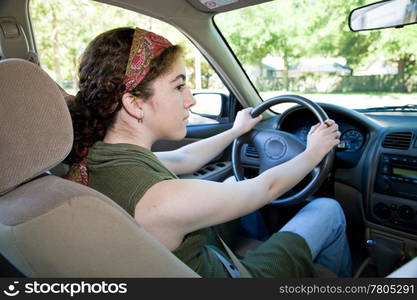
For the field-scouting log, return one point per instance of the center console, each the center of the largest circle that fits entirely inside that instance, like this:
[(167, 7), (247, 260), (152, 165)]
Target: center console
[(394, 203)]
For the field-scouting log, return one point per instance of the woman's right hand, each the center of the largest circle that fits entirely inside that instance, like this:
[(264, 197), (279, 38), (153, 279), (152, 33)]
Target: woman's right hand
[(322, 138)]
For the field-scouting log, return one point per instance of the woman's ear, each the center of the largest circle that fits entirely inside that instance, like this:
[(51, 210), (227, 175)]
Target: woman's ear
[(133, 105)]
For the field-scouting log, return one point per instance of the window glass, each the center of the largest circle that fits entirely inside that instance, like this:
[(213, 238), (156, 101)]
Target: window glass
[(64, 28), (305, 47)]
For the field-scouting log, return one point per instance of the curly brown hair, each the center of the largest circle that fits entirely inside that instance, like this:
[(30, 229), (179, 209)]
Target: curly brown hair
[(101, 73)]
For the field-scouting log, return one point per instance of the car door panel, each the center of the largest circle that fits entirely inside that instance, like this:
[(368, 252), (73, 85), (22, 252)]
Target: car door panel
[(219, 168)]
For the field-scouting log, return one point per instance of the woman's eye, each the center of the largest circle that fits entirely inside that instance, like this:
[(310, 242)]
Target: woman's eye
[(180, 87)]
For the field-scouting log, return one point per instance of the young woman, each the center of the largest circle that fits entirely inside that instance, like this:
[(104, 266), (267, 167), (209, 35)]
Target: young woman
[(133, 92)]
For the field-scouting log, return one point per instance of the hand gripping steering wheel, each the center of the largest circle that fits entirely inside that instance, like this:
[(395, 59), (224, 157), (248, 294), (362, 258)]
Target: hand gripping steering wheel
[(276, 147)]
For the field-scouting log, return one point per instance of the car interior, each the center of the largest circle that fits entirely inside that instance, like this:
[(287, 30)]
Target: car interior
[(52, 227)]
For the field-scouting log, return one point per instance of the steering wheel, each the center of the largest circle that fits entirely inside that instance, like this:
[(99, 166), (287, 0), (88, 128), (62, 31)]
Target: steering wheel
[(276, 147)]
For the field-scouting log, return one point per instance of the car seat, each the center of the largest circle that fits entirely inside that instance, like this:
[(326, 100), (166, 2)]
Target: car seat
[(49, 226)]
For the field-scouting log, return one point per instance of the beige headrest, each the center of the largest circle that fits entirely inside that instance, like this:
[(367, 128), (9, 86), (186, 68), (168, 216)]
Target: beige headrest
[(36, 128)]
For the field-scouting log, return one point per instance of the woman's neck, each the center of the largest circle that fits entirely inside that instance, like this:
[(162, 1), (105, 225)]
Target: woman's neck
[(127, 130), (112, 139), (127, 135)]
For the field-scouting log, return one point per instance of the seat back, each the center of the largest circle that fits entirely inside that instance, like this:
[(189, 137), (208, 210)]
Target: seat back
[(49, 226)]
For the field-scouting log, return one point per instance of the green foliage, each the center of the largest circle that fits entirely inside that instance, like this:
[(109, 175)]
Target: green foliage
[(315, 28), (399, 46), (64, 28), (255, 33), (331, 36), (291, 29), (287, 29)]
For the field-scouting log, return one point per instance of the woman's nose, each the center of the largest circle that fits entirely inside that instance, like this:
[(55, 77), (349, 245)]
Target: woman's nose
[(189, 99)]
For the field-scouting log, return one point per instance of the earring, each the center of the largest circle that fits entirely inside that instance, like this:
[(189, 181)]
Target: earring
[(140, 119)]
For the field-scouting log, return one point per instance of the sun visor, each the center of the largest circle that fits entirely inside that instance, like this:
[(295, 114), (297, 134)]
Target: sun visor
[(218, 6)]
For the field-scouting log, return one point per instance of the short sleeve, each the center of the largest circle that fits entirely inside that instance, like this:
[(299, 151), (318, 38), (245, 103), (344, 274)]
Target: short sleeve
[(125, 184)]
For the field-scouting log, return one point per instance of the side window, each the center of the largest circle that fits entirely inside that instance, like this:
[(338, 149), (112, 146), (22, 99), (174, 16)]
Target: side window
[(61, 38)]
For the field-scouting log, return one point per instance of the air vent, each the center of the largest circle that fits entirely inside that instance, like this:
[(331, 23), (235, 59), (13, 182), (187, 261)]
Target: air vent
[(251, 152), (398, 140)]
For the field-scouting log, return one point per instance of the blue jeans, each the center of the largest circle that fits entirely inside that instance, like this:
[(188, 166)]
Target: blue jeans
[(322, 224)]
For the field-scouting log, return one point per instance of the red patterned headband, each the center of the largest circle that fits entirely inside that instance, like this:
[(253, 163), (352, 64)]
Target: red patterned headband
[(146, 45)]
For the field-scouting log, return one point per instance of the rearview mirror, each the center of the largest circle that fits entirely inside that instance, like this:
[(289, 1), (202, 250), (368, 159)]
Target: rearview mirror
[(383, 14)]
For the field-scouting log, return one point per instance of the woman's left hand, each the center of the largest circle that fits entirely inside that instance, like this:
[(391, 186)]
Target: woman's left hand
[(244, 122)]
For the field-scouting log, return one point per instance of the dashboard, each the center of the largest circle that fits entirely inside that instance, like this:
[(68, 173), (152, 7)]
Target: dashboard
[(353, 139), (377, 156), (376, 160)]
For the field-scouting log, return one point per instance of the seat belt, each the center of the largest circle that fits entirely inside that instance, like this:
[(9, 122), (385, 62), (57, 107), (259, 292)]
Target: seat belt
[(243, 272), (233, 272)]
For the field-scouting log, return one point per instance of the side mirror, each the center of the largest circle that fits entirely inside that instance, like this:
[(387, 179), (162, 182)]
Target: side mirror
[(210, 108), (208, 104), (383, 14)]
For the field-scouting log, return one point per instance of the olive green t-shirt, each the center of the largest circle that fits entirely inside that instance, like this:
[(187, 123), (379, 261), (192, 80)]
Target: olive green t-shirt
[(124, 172)]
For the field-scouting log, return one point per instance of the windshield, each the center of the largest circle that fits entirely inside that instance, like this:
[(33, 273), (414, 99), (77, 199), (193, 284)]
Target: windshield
[(305, 47)]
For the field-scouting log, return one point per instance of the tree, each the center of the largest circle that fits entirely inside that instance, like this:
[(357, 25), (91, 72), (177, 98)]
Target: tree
[(62, 37), (330, 33), (291, 29), (398, 45), (274, 34), (395, 45)]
